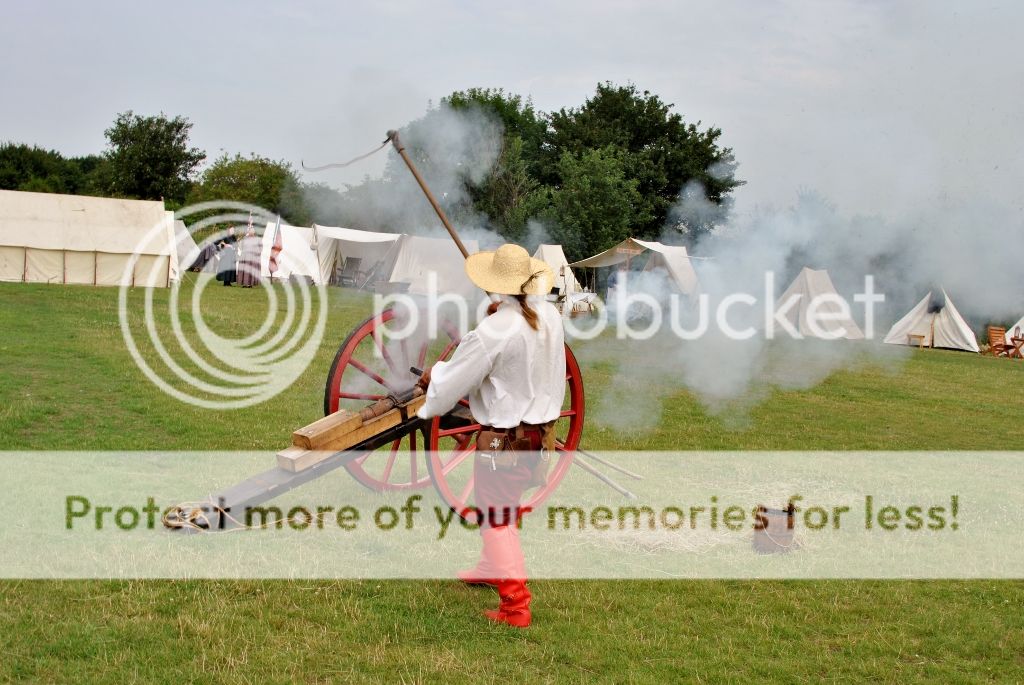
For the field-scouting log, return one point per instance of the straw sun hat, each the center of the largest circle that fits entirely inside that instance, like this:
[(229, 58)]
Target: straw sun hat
[(507, 270)]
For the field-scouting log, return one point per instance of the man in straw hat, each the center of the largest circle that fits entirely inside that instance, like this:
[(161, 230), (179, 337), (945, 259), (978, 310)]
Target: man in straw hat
[(512, 367)]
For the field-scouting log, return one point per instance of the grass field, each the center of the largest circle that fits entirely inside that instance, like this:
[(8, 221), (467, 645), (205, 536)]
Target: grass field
[(67, 382)]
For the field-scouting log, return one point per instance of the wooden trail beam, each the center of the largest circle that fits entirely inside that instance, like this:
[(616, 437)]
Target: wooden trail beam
[(227, 507), (341, 431)]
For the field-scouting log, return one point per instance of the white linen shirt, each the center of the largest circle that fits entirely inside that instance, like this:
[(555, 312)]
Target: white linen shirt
[(511, 373)]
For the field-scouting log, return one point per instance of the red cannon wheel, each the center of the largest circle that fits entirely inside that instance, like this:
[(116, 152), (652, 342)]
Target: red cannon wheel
[(453, 442), (366, 368)]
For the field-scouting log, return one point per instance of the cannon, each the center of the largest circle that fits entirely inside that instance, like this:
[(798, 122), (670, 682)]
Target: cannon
[(384, 446)]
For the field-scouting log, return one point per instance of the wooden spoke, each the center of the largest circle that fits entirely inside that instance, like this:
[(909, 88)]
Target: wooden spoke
[(372, 374), (360, 396), (382, 348), (464, 495), (460, 456), (391, 461)]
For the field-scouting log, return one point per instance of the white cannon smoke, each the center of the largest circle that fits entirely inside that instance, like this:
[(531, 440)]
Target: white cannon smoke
[(975, 252)]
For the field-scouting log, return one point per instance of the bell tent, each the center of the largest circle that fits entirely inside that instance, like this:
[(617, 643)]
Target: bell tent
[(554, 256), (934, 322), (1010, 331), (813, 288)]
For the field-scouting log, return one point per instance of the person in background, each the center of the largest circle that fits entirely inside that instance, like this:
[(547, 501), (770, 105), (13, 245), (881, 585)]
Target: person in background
[(226, 265), (616, 279), (512, 367), (249, 249)]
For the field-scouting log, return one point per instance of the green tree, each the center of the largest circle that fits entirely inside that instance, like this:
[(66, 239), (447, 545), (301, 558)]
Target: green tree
[(517, 115), (32, 168), (596, 205), (510, 195), (149, 157), (24, 167), (661, 152), (256, 180)]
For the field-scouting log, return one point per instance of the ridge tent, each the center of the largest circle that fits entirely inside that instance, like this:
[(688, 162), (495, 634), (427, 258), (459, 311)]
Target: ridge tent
[(372, 249), (816, 285), (185, 246), (934, 324), (673, 258), (554, 256), (1009, 331), (416, 257), (53, 238), (392, 257), (299, 253)]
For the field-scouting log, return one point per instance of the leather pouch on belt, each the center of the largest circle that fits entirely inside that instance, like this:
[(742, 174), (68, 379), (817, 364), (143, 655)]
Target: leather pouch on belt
[(492, 448)]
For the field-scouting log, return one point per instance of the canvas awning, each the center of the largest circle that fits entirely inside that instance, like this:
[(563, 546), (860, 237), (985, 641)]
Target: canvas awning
[(673, 258)]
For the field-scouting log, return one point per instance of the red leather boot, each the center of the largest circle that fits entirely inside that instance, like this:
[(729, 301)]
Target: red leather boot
[(487, 570), (502, 545), (483, 573)]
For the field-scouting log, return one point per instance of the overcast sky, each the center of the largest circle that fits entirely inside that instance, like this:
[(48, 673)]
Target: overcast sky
[(879, 106)]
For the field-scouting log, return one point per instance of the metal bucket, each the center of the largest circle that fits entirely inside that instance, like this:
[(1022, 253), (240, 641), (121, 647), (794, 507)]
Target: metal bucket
[(773, 530)]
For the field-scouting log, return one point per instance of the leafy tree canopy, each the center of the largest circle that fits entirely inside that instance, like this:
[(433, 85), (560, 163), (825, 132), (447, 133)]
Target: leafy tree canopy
[(149, 157), (661, 152), (596, 204), (32, 168), (272, 185)]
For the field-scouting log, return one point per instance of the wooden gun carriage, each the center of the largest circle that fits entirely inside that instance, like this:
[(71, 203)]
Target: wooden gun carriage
[(385, 446)]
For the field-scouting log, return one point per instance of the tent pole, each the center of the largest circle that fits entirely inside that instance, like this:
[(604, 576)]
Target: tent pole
[(24, 268), (64, 265), (95, 268)]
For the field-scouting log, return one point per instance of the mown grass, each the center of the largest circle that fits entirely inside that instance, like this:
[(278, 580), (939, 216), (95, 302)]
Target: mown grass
[(67, 382)]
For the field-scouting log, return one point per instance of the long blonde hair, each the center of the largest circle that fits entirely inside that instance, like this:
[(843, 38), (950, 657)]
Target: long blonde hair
[(528, 313)]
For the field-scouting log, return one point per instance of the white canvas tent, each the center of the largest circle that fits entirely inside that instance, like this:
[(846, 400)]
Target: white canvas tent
[(554, 256), (416, 257), (393, 258), (185, 246), (375, 251), (299, 253), (672, 258), (815, 285), (934, 324), (1011, 329), (51, 238)]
